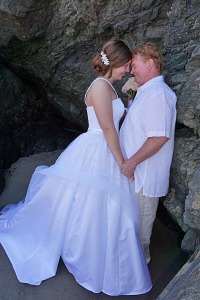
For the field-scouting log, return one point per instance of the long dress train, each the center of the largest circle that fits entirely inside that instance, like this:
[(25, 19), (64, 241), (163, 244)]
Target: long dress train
[(81, 209)]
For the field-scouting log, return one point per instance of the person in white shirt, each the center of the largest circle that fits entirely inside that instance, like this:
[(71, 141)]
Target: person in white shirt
[(147, 136)]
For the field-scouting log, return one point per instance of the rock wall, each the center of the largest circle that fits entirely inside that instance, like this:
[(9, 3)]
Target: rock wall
[(51, 43), (185, 285)]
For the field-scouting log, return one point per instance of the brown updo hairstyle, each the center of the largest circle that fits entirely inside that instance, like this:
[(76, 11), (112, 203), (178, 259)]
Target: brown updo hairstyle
[(118, 54)]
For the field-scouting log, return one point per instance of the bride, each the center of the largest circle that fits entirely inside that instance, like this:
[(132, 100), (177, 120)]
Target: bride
[(82, 208)]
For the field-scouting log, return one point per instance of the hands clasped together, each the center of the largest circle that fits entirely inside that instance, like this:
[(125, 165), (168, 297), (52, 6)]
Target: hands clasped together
[(128, 168)]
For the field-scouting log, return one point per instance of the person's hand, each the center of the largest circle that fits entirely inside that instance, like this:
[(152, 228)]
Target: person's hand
[(130, 88), (128, 168)]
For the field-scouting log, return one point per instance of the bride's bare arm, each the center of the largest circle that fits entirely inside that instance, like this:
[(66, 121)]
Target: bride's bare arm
[(101, 97)]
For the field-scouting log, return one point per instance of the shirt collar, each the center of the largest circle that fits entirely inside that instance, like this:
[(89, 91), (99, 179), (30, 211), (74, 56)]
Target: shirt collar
[(151, 81)]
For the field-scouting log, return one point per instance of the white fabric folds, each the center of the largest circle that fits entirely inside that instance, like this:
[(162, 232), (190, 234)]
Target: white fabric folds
[(83, 210)]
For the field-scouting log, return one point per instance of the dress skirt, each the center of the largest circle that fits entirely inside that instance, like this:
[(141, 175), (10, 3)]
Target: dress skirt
[(84, 210)]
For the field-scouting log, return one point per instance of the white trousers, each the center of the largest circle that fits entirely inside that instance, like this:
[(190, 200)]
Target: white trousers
[(147, 207)]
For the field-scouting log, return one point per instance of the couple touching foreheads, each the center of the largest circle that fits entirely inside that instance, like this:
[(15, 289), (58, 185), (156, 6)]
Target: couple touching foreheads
[(96, 205)]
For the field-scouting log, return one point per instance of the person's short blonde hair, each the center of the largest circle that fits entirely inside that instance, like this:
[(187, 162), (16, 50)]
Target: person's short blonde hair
[(150, 51)]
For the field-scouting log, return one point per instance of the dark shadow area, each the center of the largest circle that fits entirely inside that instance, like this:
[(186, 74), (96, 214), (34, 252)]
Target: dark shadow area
[(165, 218)]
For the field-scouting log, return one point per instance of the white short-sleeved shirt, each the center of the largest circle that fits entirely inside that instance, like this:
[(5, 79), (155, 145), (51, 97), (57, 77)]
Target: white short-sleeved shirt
[(152, 113)]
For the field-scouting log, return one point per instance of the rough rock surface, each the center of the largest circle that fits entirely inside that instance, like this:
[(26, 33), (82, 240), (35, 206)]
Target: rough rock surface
[(45, 52), (28, 124), (185, 285), (183, 201)]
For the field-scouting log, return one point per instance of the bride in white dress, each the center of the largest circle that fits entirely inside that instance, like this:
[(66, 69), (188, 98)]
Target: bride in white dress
[(82, 208)]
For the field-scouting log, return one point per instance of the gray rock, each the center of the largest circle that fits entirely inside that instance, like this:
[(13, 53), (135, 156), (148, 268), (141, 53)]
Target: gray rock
[(185, 285), (192, 203), (190, 241), (183, 200), (28, 123)]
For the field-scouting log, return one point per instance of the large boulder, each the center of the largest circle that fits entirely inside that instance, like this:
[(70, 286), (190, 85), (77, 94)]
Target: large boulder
[(183, 200), (185, 285)]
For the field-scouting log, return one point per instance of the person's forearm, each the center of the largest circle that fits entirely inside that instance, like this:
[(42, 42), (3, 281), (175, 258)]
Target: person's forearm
[(151, 146), (113, 143)]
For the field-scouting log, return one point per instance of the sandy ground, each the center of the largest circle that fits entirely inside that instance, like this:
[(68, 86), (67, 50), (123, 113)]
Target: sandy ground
[(167, 257)]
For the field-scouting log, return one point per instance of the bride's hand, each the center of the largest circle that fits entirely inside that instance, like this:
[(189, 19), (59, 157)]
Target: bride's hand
[(127, 169)]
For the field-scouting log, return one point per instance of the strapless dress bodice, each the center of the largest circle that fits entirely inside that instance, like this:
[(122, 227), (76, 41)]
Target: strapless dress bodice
[(118, 110)]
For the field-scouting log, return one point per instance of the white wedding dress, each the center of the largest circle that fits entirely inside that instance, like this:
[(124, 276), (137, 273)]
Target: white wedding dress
[(83, 210)]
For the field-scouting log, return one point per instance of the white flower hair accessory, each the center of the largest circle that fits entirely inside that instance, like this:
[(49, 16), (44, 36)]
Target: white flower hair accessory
[(104, 59)]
